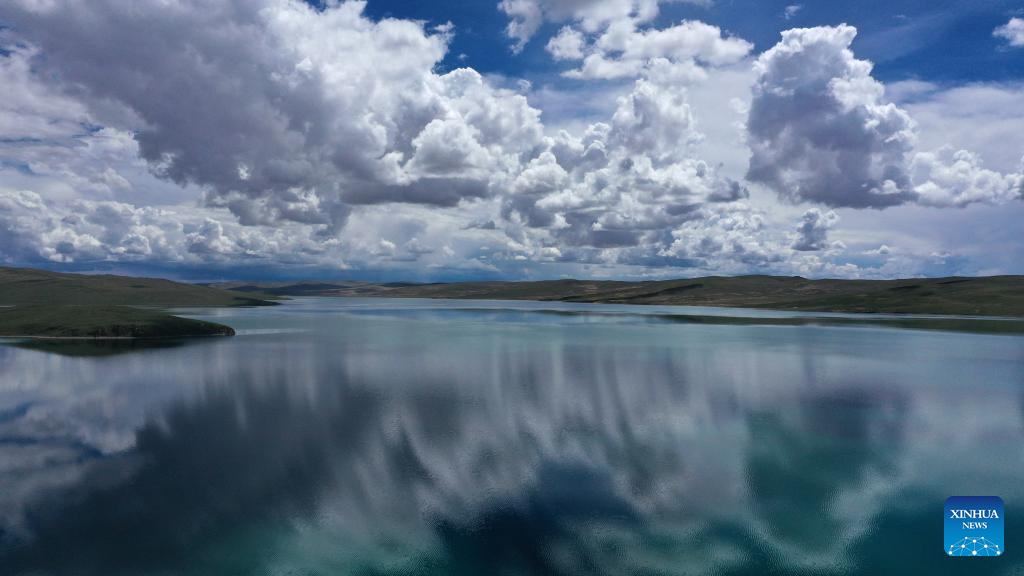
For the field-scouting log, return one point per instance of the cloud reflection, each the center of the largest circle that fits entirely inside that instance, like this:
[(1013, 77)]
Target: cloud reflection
[(420, 444)]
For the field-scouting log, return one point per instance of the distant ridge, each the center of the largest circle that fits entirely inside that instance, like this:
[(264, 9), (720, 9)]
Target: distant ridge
[(25, 286), (981, 296)]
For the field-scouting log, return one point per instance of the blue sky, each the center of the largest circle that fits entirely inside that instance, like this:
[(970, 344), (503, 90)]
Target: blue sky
[(939, 41), (404, 140)]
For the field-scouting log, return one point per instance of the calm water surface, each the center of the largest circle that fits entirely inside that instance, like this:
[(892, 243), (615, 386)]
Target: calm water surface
[(366, 436)]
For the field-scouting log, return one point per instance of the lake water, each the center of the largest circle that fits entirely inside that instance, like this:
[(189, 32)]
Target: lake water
[(371, 436)]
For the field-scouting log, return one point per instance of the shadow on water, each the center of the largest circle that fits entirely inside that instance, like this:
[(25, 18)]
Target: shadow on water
[(831, 448), (535, 535)]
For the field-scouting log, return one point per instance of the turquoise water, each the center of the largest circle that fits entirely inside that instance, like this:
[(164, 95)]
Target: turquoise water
[(371, 436)]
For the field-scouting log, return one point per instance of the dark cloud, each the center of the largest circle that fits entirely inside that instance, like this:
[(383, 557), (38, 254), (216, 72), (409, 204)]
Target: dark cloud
[(812, 233)]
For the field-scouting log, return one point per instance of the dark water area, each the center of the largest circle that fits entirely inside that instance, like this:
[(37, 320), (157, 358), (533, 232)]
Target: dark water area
[(379, 437)]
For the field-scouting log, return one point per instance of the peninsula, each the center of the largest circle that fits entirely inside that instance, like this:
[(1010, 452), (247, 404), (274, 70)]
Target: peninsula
[(42, 304)]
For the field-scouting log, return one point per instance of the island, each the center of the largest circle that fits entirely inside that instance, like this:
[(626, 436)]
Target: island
[(52, 305)]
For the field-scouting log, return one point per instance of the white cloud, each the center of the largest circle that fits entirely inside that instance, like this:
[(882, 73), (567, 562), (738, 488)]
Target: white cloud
[(567, 45), (949, 177), (275, 89), (294, 133), (305, 156), (527, 16), (982, 117), (33, 230), (820, 130), (622, 184), (732, 238), (623, 50), (1012, 32), (790, 11)]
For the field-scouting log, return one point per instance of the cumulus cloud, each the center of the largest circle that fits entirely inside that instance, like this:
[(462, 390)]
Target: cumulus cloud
[(277, 123), (625, 183), (33, 230), (623, 50), (820, 130), (36, 231), (1012, 32), (567, 45), (612, 194), (626, 47), (949, 177), (812, 233), (731, 238), (790, 11), (303, 154), (588, 17), (273, 114), (527, 16), (739, 238)]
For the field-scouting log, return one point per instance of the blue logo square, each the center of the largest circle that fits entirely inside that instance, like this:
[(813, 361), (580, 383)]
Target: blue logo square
[(974, 526)]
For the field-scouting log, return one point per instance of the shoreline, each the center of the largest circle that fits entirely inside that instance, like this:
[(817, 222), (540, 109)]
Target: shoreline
[(181, 337), (990, 296), (881, 315), (88, 322)]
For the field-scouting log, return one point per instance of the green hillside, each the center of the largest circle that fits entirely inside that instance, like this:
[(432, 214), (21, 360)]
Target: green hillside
[(21, 286), (982, 296), (42, 304), (69, 321)]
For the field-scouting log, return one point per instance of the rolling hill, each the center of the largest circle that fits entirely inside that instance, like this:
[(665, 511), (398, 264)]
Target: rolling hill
[(981, 296), (42, 304)]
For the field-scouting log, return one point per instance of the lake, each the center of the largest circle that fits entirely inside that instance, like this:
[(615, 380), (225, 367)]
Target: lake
[(375, 436)]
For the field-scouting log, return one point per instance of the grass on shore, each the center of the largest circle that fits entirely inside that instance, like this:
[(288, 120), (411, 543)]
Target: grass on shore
[(44, 304), (73, 321)]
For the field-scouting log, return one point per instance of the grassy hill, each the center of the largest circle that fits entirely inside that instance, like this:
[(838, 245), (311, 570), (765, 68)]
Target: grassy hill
[(38, 303), (22, 286), (983, 296), (69, 321)]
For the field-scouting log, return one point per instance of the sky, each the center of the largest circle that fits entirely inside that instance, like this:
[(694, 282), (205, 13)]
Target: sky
[(512, 139)]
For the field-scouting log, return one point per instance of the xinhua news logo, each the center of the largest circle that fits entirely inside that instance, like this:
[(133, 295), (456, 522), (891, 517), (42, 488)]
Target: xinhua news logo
[(974, 526)]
